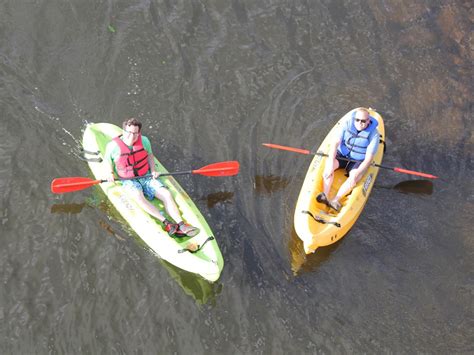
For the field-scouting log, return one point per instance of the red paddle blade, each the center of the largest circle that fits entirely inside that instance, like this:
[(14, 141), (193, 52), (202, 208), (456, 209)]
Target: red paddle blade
[(284, 147), (69, 184), (225, 168), (417, 173)]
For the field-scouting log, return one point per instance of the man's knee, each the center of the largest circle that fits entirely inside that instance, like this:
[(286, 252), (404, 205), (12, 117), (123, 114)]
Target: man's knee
[(135, 192), (163, 193), (354, 177)]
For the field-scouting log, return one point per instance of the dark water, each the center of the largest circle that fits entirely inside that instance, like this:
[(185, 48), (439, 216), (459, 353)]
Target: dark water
[(212, 80)]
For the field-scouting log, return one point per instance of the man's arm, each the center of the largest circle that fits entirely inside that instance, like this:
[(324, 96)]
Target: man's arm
[(151, 158), (108, 161), (151, 163), (329, 166), (369, 155)]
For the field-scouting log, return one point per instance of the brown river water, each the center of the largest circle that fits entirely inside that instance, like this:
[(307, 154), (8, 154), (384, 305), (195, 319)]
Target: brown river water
[(211, 81)]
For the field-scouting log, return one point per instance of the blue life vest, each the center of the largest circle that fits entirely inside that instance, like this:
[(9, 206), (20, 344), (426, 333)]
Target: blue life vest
[(354, 143)]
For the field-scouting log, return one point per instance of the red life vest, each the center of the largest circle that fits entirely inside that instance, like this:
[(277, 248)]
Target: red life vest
[(132, 162)]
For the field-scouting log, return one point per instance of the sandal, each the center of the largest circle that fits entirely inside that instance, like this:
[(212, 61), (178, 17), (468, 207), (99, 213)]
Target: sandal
[(335, 205), (171, 228), (322, 198), (186, 230)]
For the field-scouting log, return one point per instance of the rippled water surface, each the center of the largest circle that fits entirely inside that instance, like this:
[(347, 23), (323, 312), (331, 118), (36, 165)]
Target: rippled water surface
[(212, 80)]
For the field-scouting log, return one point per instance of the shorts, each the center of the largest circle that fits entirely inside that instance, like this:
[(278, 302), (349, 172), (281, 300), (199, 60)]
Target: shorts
[(148, 186), (348, 165)]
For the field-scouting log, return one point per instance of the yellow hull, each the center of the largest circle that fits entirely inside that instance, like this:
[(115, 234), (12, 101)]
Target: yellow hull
[(315, 234)]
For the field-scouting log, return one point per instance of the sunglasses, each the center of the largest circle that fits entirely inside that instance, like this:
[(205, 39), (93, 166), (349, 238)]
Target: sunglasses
[(360, 120)]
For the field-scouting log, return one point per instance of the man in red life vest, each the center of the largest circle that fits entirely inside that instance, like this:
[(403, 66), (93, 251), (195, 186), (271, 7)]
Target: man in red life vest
[(130, 155), (357, 140)]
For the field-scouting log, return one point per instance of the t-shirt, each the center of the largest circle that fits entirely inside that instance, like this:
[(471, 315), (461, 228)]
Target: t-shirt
[(112, 150)]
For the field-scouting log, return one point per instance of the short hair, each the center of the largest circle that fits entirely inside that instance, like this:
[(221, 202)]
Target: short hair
[(360, 109), (132, 122)]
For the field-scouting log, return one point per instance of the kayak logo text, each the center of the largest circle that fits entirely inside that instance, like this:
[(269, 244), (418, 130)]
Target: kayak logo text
[(367, 184), (126, 202)]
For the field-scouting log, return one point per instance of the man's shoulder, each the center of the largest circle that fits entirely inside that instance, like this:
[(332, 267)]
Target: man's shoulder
[(146, 143), (112, 144), (113, 140), (111, 147), (375, 133)]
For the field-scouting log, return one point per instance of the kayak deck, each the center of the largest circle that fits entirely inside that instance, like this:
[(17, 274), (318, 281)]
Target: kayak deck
[(316, 224), (207, 261)]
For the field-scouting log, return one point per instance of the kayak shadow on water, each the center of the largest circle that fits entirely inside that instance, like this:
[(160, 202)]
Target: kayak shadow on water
[(302, 262)]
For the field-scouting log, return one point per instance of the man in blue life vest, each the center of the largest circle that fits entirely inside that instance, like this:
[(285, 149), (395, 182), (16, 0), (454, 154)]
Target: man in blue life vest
[(357, 140), (130, 155)]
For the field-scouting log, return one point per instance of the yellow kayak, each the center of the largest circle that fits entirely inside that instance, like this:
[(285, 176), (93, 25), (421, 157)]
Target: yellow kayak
[(316, 224)]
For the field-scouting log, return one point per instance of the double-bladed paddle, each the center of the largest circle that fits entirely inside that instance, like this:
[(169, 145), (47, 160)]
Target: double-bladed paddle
[(70, 184), (304, 151)]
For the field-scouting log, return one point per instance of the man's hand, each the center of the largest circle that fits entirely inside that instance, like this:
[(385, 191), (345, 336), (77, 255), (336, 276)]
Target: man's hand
[(329, 165), (110, 177), (328, 169), (155, 174), (354, 177)]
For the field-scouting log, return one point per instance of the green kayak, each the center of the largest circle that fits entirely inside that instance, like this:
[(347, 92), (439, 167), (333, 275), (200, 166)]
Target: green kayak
[(207, 261)]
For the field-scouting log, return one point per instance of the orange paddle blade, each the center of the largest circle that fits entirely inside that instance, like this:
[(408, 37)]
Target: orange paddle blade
[(225, 168), (284, 147), (69, 184)]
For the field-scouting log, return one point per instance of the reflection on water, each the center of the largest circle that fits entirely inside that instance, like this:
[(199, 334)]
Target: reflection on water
[(109, 229), (302, 262), (266, 184), (193, 285), (421, 187), (218, 197), (218, 78), (424, 187), (71, 208)]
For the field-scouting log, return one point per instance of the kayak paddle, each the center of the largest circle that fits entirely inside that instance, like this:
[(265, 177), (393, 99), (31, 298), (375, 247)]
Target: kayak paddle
[(69, 184), (304, 151)]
